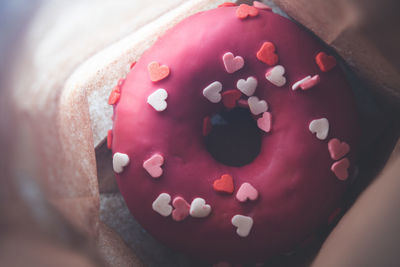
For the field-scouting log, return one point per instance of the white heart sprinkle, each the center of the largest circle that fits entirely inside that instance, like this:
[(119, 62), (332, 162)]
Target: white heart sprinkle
[(296, 85), (157, 99), (161, 204), (199, 208), (247, 87), (243, 224), (321, 127), (275, 75), (120, 160), (213, 92), (256, 105)]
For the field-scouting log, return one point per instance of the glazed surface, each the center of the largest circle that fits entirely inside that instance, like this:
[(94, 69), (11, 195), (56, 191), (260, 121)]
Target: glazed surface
[(297, 190)]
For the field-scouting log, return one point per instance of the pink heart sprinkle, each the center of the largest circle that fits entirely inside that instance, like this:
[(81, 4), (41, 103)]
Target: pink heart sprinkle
[(181, 210), (264, 123), (309, 83), (245, 192), (153, 165), (232, 63), (337, 149), (261, 5), (340, 169)]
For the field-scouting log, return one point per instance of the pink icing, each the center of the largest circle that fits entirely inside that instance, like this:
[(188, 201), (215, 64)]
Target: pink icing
[(297, 189)]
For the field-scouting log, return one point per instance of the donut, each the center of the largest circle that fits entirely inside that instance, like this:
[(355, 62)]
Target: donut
[(235, 136)]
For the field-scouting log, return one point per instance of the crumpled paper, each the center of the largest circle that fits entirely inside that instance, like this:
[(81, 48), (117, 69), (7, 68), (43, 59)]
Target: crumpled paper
[(59, 173)]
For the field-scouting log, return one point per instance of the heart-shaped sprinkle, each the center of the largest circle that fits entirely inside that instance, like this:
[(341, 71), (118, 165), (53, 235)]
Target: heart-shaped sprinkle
[(199, 208), (264, 123), (248, 86), (261, 5), (309, 83), (230, 97), (244, 11), (120, 160), (227, 4), (246, 192), (340, 168), (157, 99), (296, 85), (256, 105), (181, 209), (109, 139), (243, 103), (243, 224), (232, 63), (207, 126), (161, 205), (153, 165), (114, 96), (157, 72), (337, 149), (325, 62), (213, 92), (267, 54), (224, 184), (275, 76), (320, 127)]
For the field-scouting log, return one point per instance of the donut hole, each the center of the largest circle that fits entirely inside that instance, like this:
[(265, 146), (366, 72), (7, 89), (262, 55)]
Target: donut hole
[(235, 139)]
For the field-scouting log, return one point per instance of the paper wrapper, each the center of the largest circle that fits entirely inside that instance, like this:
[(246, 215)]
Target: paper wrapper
[(74, 53)]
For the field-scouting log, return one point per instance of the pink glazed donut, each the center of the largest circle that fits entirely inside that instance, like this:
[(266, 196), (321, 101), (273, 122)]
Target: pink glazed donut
[(234, 60)]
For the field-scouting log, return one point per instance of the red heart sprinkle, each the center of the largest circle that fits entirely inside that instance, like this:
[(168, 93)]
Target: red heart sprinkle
[(109, 139), (244, 11), (325, 62), (207, 127), (224, 184), (227, 4), (340, 169), (337, 149), (267, 54), (157, 72), (114, 96), (230, 98), (132, 65)]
